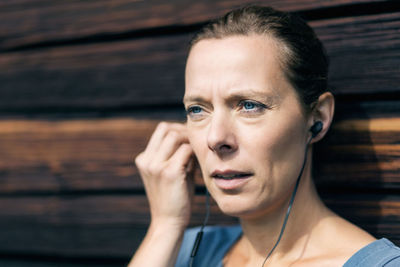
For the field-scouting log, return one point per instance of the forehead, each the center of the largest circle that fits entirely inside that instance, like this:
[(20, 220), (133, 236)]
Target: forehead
[(235, 62)]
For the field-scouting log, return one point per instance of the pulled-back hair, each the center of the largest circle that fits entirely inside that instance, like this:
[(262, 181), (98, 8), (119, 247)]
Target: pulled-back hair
[(303, 56)]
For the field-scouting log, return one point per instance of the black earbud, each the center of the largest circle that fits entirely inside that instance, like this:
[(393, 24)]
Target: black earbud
[(316, 128)]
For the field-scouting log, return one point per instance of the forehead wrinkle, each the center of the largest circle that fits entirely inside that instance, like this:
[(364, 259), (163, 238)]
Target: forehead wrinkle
[(267, 97), (263, 95), (202, 80)]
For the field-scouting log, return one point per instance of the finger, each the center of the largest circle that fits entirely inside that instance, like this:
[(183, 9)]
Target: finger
[(159, 134), (190, 171), (176, 126), (185, 156), (169, 145), (181, 158)]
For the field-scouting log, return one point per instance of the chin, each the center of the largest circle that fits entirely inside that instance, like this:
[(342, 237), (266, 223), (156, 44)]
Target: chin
[(235, 206)]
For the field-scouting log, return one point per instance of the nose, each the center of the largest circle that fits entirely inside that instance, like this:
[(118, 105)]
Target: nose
[(221, 136)]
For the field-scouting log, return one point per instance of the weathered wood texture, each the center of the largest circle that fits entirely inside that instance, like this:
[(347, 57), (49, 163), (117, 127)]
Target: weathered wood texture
[(97, 154), (27, 22), (81, 226), (69, 191), (119, 74), (85, 160), (112, 226), (38, 262)]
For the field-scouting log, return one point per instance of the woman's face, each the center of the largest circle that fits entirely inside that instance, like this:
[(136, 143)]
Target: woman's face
[(245, 123)]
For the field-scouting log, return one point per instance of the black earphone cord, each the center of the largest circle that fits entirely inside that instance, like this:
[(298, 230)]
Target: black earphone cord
[(290, 204), (200, 233)]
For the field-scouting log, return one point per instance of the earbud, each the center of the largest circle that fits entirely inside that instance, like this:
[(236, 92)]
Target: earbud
[(316, 128)]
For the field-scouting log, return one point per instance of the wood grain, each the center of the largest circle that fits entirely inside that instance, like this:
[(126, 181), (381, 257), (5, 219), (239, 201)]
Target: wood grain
[(92, 226), (27, 22), (150, 71), (45, 261), (362, 47), (97, 154), (68, 187), (73, 154), (81, 226), (360, 153)]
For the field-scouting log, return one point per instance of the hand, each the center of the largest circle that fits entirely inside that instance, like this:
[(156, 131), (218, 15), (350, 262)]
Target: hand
[(166, 170)]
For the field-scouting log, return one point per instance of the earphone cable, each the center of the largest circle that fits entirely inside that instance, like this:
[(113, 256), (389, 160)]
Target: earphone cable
[(200, 233), (290, 205)]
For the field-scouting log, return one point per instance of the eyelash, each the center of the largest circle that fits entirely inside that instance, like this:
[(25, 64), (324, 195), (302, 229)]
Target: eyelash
[(190, 110), (258, 108)]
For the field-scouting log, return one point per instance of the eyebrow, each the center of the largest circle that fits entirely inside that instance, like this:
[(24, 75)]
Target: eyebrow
[(197, 99), (252, 95), (247, 94)]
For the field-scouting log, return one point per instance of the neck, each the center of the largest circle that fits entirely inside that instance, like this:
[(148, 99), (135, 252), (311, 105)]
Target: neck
[(261, 233)]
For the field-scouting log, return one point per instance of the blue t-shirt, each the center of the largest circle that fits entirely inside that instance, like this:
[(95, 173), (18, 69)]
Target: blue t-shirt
[(217, 240)]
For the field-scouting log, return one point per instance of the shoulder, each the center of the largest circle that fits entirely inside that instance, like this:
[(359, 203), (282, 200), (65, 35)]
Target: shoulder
[(381, 252), (215, 242)]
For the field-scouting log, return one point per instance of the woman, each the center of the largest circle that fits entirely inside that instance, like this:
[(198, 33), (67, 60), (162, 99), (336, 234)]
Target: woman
[(256, 99)]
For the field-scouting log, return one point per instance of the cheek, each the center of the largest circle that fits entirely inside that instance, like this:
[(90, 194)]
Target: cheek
[(197, 143), (273, 142), (260, 138)]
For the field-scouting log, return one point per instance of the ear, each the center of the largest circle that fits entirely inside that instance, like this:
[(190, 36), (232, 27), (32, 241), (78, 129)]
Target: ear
[(323, 111)]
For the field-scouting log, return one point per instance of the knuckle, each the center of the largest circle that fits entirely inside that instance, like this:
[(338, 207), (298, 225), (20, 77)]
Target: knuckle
[(139, 160), (186, 147), (174, 135), (154, 169), (141, 164), (162, 126)]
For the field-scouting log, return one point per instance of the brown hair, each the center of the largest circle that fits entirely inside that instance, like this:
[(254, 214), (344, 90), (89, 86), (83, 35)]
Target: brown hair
[(304, 58)]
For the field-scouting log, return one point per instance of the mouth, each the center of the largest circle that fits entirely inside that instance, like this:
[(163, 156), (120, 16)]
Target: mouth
[(231, 176), (230, 180)]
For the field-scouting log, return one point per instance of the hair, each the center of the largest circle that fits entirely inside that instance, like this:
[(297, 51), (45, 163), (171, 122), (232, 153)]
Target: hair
[(303, 57)]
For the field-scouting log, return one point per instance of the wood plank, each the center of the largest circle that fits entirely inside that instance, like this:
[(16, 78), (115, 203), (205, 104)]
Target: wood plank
[(128, 74), (55, 156), (27, 22), (47, 156), (365, 166), (123, 74), (150, 71), (362, 47), (365, 213), (81, 226), (361, 153), (21, 261), (113, 226), (28, 263)]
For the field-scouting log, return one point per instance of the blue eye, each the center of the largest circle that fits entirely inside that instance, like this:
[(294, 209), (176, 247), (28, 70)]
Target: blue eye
[(195, 113), (194, 110), (249, 105)]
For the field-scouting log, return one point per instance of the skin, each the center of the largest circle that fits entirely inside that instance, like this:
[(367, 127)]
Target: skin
[(222, 79), (243, 117)]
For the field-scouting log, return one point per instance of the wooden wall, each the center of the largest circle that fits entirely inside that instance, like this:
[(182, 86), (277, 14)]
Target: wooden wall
[(83, 84)]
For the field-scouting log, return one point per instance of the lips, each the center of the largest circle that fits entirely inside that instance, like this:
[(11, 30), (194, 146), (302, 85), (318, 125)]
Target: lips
[(230, 176), (230, 179)]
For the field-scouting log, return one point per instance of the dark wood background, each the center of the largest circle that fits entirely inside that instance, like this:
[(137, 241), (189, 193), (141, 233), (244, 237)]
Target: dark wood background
[(83, 84)]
